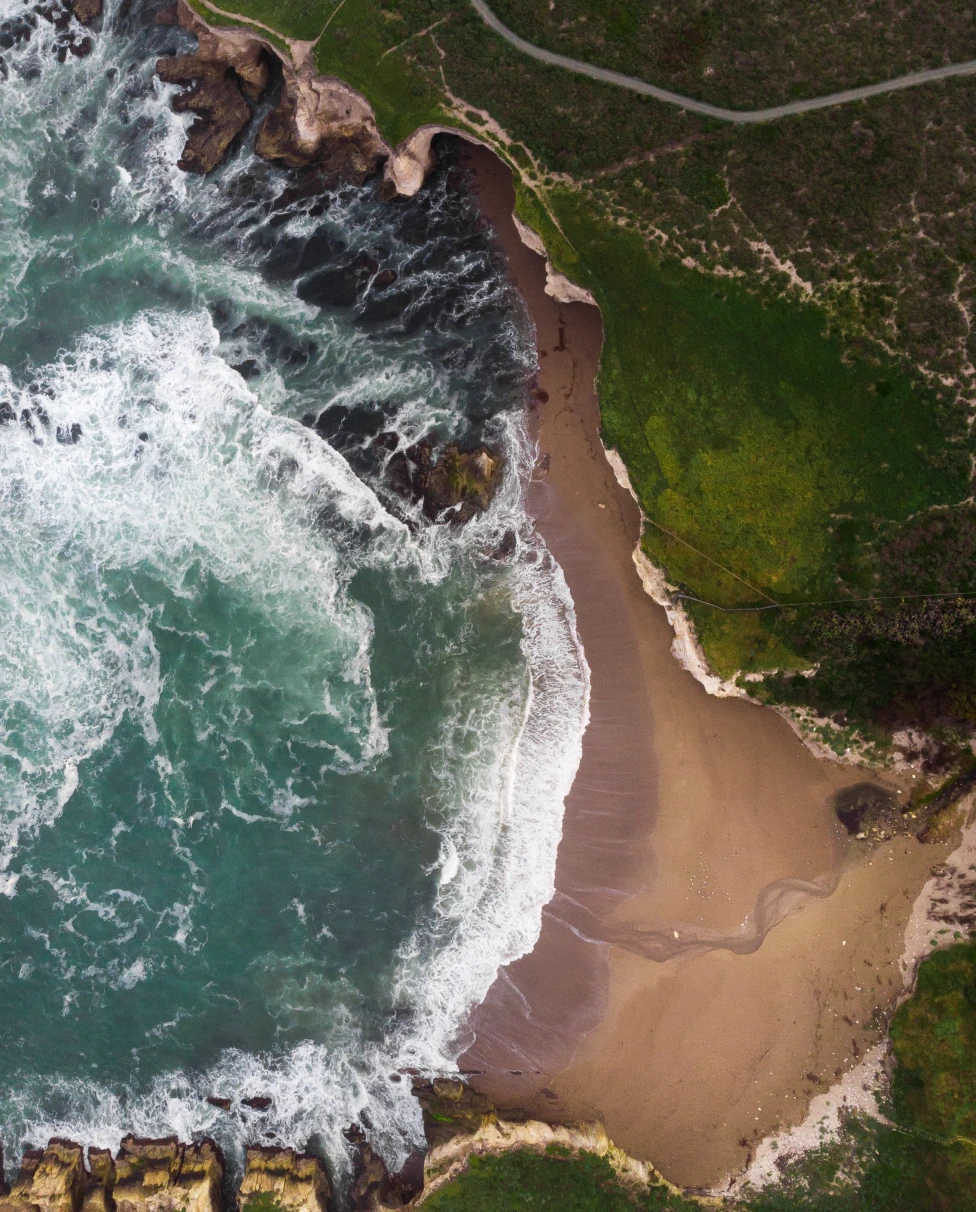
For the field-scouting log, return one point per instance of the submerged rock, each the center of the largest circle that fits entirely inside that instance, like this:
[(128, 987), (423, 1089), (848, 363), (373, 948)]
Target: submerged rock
[(168, 1176), (292, 1182)]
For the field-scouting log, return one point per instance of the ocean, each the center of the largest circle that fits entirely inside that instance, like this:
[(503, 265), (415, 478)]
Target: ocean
[(282, 762)]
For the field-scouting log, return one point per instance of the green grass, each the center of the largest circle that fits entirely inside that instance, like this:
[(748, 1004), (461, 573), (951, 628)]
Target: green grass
[(749, 432), (354, 48), (521, 1180)]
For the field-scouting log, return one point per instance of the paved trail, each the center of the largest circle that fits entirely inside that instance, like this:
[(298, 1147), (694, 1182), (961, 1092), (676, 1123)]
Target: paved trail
[(719, 111)]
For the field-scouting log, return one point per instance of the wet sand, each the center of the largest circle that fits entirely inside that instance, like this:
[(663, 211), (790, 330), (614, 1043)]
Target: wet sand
[(662, 997)]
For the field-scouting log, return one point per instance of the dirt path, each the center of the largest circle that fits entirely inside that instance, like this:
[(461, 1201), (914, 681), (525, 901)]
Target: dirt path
[(719, 111)]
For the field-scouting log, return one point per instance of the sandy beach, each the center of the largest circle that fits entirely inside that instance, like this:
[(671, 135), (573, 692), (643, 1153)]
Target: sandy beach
[(716, 952)]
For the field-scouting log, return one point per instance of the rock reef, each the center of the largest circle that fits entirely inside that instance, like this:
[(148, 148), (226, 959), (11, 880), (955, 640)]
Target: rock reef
[(450, 484)]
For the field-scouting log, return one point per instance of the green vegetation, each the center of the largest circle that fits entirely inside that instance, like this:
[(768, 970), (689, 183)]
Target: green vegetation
[(512, 1182), (359, 36), (750, 53), (788, 371)]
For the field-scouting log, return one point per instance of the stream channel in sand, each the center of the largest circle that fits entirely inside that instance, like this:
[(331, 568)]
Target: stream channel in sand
[(716, 952)]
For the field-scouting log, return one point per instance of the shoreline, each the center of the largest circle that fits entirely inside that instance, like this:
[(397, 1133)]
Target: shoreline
[(710, 915)]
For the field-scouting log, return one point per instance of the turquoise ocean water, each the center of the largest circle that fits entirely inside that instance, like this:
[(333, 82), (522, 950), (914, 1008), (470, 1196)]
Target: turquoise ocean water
[(281, 763)]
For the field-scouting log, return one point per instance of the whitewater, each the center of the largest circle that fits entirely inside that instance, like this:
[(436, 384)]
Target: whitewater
[(282, 763)]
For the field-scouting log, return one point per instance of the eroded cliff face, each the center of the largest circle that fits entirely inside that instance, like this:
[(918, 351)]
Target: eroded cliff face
[(283, 1179), (318, 121), (146, 1176), (167, 1176), (226, 70), (170, 1176)]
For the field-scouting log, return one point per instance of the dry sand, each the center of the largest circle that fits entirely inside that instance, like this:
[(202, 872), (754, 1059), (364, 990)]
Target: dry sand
[(662, 997)]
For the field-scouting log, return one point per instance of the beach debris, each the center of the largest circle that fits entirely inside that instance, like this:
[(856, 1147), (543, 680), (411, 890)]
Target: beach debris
[(292, 1182), (869, 813)]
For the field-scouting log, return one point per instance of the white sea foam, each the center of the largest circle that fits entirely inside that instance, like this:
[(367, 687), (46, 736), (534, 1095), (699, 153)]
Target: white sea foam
[(222, 482)]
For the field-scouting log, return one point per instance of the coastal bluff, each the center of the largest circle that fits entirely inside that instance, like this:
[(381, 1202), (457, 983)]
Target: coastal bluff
[(168, 1175)]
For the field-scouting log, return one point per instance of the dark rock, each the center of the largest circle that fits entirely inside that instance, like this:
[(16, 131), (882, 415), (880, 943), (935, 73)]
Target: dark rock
[(7, 412), (247, 369), (68, 435), (81, 48), (224, 1104), (215, 98), (340, 286), (385, 277), (168, 16), (86, 11), (16, 30), (373, 1189), (260, 1103), (449, 1108)]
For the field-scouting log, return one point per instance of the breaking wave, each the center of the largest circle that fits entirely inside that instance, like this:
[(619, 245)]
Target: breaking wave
[(282, 763)]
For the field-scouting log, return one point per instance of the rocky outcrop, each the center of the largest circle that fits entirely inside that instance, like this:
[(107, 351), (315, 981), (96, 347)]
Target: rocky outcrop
[(55, 1179), (221, 111), (168, 1176), (100, 1182), (86, 11), (323, 122), (406, 169), (450, 1108), (451, 485), (374, 1189), (50, 1180), (226, 69), (292, 1182)]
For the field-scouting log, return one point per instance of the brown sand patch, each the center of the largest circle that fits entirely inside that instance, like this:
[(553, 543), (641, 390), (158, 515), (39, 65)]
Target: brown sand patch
[(693, 826)]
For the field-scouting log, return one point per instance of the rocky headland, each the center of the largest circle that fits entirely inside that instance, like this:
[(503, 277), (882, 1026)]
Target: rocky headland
[(167, 1175), (318, 122)]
